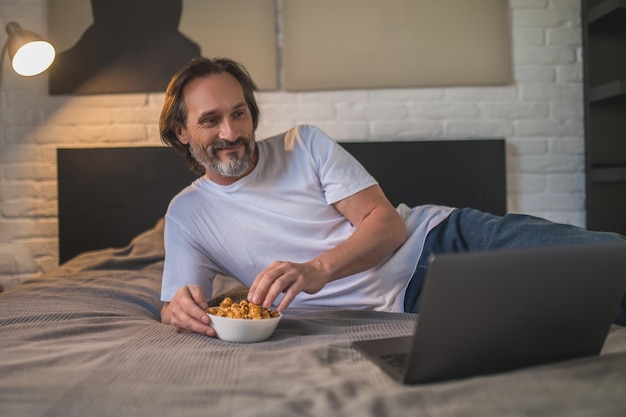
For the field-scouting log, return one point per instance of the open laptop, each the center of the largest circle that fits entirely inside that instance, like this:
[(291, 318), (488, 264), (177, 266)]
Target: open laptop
[(489, 312)]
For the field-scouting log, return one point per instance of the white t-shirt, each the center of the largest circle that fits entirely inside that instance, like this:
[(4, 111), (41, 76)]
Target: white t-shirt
[(283, 210)]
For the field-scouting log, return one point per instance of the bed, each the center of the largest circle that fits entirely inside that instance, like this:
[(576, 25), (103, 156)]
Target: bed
[(86, 338)]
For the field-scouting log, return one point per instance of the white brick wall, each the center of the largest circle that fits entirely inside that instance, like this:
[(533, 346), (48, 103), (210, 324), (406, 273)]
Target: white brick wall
[(541, 116)]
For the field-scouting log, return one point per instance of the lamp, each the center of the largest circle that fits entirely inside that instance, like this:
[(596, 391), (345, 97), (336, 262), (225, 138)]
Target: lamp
[(28, 52)]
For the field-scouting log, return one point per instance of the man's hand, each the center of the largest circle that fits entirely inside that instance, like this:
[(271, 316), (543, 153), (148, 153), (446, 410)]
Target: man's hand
[(285, 277), (187, 311)]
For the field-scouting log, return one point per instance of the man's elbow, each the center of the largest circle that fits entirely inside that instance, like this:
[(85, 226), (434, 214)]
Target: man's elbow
[(397, 230), (401, 233)]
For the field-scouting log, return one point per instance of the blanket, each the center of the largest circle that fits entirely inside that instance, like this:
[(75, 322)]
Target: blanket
[(86, 340)]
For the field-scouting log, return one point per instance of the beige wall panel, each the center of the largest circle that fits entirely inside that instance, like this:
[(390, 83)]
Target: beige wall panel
[(244, 30), (345, 44)]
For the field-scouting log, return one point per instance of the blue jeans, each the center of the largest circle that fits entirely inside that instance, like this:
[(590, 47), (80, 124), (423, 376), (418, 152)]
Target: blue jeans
[(471, 230)]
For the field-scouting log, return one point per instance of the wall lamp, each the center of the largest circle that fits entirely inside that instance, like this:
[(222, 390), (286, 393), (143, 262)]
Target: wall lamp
[(28, 52)]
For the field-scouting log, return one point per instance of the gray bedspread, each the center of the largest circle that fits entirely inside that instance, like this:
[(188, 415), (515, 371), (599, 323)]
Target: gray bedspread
[(86, 340)]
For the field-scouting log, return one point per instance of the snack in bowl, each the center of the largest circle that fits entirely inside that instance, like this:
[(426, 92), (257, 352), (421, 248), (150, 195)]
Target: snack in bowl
[(244, 321)]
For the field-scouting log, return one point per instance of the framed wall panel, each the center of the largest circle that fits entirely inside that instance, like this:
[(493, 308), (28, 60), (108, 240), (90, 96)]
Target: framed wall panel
[(344, 44), (244, 30), (132, 46)]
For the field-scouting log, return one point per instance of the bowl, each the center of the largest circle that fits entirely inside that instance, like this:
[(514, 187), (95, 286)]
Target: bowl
[(243, 330)]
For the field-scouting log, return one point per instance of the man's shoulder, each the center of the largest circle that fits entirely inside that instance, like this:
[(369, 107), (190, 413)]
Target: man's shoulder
[(298, 137), (298, 132), (185, 196)]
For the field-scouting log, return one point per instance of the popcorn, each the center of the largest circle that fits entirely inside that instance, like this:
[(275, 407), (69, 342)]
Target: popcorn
[(242, 310)]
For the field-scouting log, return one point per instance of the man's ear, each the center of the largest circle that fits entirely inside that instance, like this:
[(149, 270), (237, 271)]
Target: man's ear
[(181, 134)]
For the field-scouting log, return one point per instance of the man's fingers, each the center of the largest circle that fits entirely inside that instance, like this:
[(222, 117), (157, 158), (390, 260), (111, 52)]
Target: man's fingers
[(189, 311), (290, 294), (184, 322), (258, 292), (291, 284), (284, 277)]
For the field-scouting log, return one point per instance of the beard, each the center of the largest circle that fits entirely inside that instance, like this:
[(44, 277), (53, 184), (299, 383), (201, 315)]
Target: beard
[(235, 166)]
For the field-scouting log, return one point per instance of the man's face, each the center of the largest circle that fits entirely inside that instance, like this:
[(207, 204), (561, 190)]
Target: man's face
[(219, 128)]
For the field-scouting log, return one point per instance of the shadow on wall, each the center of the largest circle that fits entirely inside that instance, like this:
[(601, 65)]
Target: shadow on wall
[(132, 46)]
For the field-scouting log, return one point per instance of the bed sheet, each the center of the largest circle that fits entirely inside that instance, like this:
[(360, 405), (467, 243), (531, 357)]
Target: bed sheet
[(86, 340)]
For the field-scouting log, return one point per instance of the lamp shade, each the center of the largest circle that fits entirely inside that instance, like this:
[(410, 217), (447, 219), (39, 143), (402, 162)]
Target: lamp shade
[(28, 52)]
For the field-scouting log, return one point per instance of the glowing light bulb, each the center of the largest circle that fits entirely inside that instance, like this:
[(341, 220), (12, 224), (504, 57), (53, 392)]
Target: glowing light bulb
[(33, 58)]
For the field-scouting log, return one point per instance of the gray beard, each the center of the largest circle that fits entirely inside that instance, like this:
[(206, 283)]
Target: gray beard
[(234, 167)]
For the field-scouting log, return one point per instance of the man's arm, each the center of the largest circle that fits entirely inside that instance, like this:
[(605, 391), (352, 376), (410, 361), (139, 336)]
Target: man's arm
[(379, 231)]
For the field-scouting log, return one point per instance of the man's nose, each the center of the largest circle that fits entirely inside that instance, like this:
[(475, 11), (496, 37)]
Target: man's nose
[(228, 131)]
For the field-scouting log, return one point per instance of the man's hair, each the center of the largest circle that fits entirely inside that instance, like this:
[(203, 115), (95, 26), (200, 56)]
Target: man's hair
[(174, 110)]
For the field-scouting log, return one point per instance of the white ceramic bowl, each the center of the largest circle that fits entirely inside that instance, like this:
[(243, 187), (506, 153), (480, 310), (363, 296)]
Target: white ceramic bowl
[(244, 330)]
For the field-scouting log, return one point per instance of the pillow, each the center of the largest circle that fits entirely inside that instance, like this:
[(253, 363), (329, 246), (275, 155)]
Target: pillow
[(145, 250)]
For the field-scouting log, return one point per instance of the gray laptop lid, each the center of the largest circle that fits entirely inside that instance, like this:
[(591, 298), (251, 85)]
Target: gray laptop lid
[(487, 312)]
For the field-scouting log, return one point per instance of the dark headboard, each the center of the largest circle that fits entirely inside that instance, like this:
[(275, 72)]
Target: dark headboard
[(109, 195), (457, 173)]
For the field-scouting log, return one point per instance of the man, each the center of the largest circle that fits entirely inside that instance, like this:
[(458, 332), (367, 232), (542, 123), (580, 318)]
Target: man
[(295, 217)]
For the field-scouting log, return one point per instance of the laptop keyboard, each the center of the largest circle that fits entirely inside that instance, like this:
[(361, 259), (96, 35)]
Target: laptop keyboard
[(398, 361)]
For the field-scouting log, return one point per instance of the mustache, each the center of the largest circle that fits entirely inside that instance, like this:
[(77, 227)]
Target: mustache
[(224, 144)]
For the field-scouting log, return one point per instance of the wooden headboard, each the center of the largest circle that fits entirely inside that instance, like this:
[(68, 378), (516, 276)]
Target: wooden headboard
[(109, 195)]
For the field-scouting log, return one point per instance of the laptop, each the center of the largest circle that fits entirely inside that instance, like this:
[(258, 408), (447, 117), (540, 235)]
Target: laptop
[(495, 311)]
